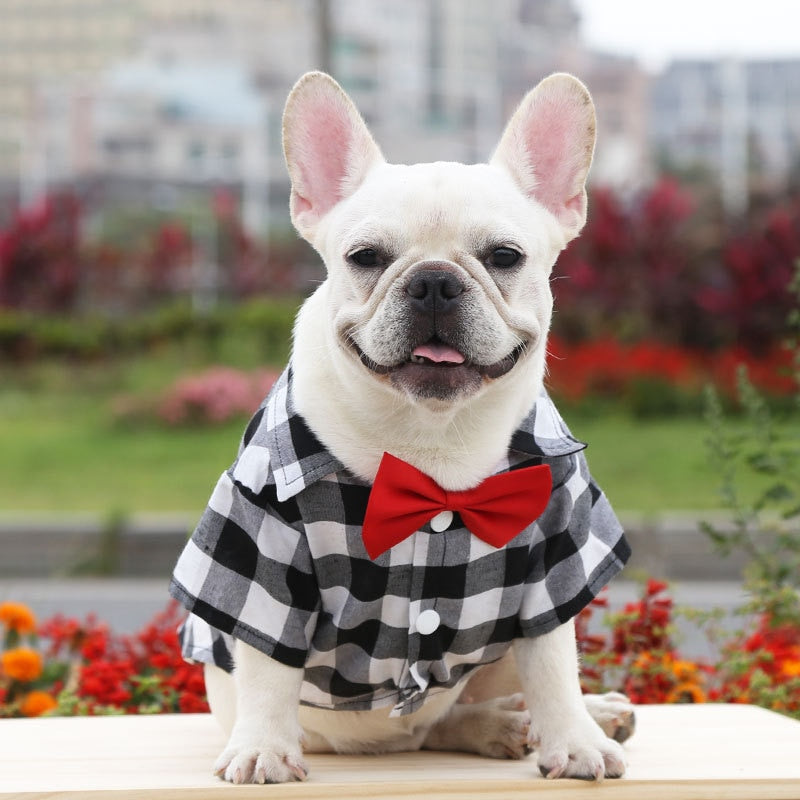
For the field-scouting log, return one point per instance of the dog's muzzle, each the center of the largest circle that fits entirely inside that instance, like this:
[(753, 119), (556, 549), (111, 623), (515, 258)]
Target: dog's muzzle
[(436, 364)]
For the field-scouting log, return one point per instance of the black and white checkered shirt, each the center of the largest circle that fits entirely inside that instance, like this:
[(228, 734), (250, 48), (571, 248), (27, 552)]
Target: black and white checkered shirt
[(277, 561)]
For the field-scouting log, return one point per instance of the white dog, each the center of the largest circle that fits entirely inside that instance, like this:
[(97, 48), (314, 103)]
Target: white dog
[(394, 560)]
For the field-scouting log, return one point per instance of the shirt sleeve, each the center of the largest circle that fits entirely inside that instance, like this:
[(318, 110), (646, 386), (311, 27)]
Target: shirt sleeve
[(247, 569), (577, 547)]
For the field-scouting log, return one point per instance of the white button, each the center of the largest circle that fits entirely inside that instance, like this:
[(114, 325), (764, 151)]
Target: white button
[(442, 521), (427, 622)]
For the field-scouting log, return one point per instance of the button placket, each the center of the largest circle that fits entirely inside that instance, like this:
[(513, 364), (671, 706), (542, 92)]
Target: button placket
[(429, 620), (419, 558)]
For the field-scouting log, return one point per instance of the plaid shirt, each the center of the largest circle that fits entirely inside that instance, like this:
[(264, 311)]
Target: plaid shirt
[(277, 561)]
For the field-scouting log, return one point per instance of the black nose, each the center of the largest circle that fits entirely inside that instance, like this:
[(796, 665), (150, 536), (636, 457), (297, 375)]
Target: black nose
[(434, 290)]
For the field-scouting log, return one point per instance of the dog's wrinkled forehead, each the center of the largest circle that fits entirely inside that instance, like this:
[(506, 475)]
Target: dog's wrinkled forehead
[(441, 210)]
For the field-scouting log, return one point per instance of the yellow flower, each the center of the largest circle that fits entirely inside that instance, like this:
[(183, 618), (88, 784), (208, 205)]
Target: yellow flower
[(21, 664), (17, 617), (37, 703), (686, 693)]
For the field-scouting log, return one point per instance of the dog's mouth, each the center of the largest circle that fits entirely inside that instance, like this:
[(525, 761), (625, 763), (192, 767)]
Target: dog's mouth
[(436, 369)]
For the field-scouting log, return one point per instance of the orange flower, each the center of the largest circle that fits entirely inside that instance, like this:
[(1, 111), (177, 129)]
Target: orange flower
[(37, 703), (21, 664), (683, 670), (643, 660), (791, 668), (17, 617)]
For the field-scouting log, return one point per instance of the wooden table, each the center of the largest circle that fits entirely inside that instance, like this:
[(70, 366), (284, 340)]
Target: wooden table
[(709, 752)]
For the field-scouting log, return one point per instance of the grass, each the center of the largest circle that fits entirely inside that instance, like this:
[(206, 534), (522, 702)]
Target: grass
[(653, 465), (65, 454), (62, 451)]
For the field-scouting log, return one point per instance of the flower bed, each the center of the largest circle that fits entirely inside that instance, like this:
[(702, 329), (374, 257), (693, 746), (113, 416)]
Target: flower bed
[(650, 377), (646, 378), (638, 656), (213, 396), (66, 667)]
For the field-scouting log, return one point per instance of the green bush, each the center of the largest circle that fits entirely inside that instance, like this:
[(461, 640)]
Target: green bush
[(767, 527), (25, 337)]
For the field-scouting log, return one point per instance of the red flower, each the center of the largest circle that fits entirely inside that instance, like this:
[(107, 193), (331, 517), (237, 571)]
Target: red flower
[(190, 703), (95, 644), (655, 587)]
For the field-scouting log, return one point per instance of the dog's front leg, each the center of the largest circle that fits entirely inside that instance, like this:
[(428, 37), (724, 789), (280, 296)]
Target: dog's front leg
[(569, 743), (264, 746)]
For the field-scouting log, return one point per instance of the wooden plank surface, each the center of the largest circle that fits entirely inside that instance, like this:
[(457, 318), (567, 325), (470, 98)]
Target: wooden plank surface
[(683, 752)]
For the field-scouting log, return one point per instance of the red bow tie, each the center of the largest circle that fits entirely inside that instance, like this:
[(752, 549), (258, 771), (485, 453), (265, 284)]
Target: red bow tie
[(403, 499)]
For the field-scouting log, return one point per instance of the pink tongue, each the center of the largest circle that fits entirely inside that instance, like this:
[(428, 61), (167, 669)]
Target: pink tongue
[(439, 353)]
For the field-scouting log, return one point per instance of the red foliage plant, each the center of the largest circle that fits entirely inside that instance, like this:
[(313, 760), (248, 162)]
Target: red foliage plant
[(646, 268), (649, 270), (167, 260), (751, 293), (629, 268), (40, 261)]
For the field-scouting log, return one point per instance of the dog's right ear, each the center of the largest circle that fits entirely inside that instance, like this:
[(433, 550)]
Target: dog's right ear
[(327, 146)]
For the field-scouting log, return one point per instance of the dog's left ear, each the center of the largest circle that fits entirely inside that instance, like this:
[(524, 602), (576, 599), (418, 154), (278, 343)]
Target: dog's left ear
[(327, 146), (548, 145)]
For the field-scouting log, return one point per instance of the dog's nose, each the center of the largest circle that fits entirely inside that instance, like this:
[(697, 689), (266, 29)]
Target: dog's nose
[(434, 289)]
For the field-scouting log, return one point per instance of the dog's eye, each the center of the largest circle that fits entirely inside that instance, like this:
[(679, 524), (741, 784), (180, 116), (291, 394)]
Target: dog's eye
[(503, 257), (366, 258)]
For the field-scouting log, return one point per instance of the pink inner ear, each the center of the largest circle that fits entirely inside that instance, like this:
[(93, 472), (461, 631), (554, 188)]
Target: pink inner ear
[(323, 155), (556, 146)]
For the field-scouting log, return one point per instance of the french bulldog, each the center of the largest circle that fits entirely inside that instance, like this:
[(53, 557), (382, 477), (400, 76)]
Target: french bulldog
[(426, 341)]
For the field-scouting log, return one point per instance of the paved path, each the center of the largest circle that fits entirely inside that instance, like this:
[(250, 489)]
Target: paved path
[(147, 545), (127, 603)]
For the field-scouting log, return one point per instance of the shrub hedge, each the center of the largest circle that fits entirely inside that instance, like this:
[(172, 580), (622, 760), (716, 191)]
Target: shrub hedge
[(25, 336)]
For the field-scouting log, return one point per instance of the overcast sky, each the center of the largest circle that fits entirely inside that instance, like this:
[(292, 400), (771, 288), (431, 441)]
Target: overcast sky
[(658, 30)]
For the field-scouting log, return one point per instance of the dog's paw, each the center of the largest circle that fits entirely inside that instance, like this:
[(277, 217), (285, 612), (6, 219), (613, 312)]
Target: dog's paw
[(580, 751), (614, 713), (242, 763), (504, 728)]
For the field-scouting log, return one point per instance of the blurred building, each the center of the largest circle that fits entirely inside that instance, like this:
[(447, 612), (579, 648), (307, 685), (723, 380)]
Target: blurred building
[(621, 92), (148, 99), (142, 98), (738, 120), (437, 78), (41, 41)]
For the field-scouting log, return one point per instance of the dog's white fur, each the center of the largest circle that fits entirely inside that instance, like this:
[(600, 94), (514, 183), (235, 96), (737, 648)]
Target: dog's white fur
[(345, 197)]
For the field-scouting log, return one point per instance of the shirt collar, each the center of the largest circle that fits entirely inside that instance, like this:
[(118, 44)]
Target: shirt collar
[(297, 458), (544, 433)]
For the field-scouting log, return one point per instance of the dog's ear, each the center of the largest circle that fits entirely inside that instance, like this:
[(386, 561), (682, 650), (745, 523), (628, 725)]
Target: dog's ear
[(547, 147), (327, 146)]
